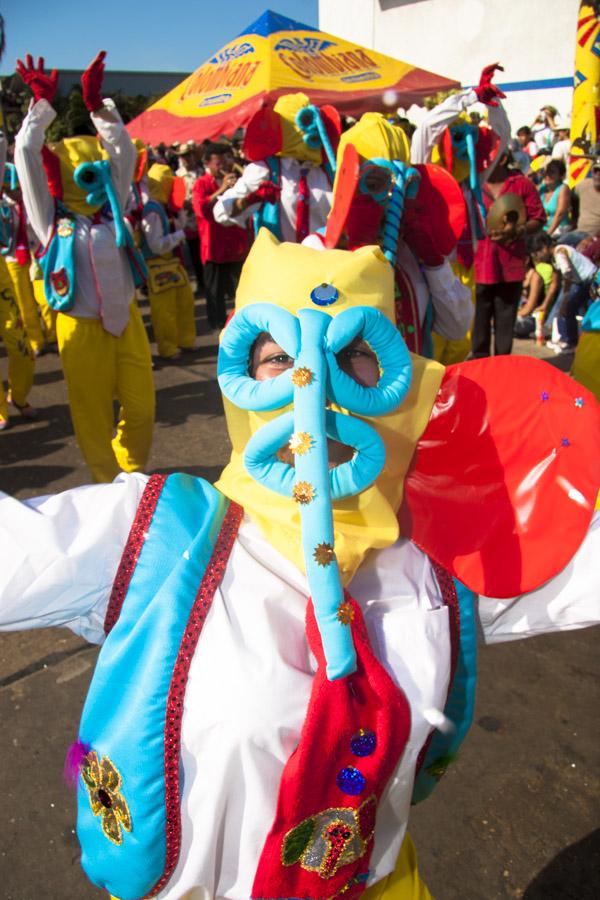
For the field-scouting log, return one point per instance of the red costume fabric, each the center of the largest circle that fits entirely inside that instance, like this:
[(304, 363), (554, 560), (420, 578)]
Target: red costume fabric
[(494, 468), (354, 733)]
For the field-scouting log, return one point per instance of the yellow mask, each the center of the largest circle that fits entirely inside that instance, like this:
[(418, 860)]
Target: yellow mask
[(284, 275), (160, 182), (292, 142), (63, 158)]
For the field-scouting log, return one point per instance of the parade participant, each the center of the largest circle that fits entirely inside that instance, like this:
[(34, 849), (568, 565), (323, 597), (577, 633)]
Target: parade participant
[(222, 249), (189, 170), (277, 647), (169, 290), (16, 254), (470, 152), (18, 349), (380, 198), (74, 192), (287, 185)]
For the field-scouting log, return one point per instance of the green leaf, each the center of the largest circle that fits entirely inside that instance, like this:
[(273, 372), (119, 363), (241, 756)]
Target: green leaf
[(296, 841)]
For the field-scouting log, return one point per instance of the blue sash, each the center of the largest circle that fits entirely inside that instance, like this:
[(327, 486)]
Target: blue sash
[(58, 263), (125, 712)]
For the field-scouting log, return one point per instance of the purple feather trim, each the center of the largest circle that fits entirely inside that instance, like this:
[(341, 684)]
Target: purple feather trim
[(76, 754)]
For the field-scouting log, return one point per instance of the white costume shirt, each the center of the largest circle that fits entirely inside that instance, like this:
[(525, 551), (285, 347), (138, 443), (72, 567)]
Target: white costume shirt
[(159, 242), (251, 675), (103, 279), (255, 174)]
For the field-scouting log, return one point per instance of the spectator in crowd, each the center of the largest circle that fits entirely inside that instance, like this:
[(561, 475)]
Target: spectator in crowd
[(556, 198), (223, 249), (578, 272), (526, 141), (585, 207), (521, 158), (500, 261), (562, 141), (541, 285), (543, 127), (190, 170)]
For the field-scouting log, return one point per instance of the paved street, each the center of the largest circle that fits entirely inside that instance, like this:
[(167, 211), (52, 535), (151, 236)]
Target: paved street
[(514, 816)]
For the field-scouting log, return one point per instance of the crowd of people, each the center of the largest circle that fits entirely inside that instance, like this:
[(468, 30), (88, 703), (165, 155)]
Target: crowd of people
[(289, 656)]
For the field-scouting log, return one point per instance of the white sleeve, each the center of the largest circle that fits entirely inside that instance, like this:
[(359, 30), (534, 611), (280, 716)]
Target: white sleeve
[(159, 242), (569, 600), (119, 146), (428, 133), (452, 305), (59, 555), (499, 123), (253, 176), (39, 204)]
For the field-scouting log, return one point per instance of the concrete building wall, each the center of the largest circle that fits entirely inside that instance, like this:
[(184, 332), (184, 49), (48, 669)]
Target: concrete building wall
[(533, 39)]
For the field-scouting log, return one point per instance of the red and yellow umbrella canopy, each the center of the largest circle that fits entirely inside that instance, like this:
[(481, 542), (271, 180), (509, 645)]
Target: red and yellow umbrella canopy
[(274, 56)]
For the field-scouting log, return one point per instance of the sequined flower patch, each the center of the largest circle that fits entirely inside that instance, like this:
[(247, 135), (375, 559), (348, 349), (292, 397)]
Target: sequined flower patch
[(103, 782), (330, 839)]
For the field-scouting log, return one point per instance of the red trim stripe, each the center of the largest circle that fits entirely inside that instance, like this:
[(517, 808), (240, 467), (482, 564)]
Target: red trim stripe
[(133, 547)]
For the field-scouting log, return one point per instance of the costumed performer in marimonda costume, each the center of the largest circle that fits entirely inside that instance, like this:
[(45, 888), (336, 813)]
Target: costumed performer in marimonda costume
[(169, 290), (12, 332), (469, 151), (586, 362), (287, 185), (74, 194), (416, 214), (277, 647)]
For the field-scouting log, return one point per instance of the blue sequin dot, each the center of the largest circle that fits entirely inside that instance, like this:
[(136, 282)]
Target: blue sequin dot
[(578, 402), (364, 742), (545, 395), (351, 781), (566, 442), (324, 294)]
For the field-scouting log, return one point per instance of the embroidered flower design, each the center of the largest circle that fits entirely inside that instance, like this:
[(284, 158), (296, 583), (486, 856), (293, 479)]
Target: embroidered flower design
[(324, 554), (345, 612), (103, 782), (303, 492), (302, 376), (300, 442)]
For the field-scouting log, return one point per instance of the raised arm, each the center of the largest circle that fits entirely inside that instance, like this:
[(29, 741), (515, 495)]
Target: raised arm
[(238, 203), (59, 555), (429, 132)]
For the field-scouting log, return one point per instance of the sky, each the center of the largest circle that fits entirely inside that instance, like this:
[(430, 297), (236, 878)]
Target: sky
[(139, 35)]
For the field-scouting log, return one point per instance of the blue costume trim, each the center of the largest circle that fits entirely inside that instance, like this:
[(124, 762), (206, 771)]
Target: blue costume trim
[(125, 711), (6, 229), (267, 216), (58, 262), (314, 134), (460, 704)]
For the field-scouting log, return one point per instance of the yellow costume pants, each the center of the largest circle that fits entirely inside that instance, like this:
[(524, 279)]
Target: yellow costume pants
[(98, 368), (404, 882), (27, 305), (446, 350), (586, 364), (173, 322), (20, 357), (48, 315)]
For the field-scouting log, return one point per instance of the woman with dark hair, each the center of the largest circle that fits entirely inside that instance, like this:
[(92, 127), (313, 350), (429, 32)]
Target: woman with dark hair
[(556, 198)]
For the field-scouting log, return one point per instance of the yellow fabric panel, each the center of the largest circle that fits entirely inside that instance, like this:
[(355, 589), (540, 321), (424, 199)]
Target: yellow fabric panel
[(293, 144), (586, 95), (26, 301), (373, 136), (18, 351), (404, 883), (71, 152)]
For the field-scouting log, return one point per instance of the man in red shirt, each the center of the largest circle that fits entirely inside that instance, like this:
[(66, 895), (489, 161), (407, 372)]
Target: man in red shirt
[(222, 249), (500, 261)]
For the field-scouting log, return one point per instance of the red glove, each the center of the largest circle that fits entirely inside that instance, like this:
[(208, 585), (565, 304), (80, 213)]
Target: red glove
[(42, 86), (485, 90), (267, 192), (91, 82)]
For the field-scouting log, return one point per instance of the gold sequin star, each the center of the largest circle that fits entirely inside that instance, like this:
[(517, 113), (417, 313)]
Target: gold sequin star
[(302, 376), (345, 612), (303, 492), (323, 554), (300, 442)]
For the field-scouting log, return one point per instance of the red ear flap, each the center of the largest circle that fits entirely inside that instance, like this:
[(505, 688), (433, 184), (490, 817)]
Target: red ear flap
[(263, 135), (486, 148), (141, 166), (51, 165), (333, 127), (446, 148), (345, 191), (438, 213)]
